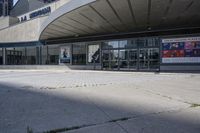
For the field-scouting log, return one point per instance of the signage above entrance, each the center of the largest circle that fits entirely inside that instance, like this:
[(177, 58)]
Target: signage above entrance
[(35, 14), (40, 12)]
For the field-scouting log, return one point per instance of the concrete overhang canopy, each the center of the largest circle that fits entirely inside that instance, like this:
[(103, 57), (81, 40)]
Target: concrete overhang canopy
[(97, 17)]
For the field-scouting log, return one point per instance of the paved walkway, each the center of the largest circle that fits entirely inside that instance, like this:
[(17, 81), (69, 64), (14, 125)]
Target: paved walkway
[(98, 102)]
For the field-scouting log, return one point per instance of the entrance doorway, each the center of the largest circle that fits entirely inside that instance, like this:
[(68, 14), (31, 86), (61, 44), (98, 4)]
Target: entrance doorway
[(131, 59), (148, 58)]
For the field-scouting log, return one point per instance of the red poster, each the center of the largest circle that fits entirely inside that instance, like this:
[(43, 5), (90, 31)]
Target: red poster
[(173, 53)]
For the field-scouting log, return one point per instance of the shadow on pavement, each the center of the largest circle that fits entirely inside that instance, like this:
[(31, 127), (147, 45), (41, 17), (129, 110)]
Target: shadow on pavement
[(23, 109)]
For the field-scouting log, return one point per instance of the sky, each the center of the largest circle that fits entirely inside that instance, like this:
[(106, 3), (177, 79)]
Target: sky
[(15, 1)]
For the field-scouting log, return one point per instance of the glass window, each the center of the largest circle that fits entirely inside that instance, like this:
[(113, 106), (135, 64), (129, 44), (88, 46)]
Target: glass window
[(123, 44), (105, 55), (152, 42), (44, 55), (79, 54), (110, 45), (123, 54), (93, 53), (133, 54), (9, 56), (20, 56), (31, 55), (1, 56), (114, 54), (132, 43), (141, 42), (53, 54)]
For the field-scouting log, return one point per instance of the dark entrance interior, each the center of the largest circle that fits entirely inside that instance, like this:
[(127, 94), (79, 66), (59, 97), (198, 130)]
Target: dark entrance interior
[(136, 54)]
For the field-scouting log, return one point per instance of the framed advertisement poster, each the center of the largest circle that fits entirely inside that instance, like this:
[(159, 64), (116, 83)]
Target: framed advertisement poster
[(65, 54), (181, 50), (93, 54)]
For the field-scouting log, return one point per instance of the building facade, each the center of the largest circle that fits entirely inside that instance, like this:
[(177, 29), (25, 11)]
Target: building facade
[(5, 7), (130, 35)]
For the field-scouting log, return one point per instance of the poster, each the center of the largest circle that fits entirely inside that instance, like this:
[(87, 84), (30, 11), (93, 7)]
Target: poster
[(93, 54), (65, 54), (181, 50)]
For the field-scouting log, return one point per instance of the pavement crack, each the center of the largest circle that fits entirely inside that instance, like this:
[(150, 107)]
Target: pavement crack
[(68, 129), (194, 105), (116, 121)]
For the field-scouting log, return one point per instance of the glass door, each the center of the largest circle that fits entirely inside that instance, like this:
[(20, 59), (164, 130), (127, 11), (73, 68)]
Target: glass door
[(148, 58), (123, 59), (143, 59), (133, 59), (154, 58), (114, 58), (106, 59)]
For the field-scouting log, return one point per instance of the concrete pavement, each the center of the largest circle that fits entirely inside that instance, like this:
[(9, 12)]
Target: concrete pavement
[(98, 102)]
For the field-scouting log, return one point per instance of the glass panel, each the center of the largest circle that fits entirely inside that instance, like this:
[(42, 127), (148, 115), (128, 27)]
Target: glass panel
[(65, 54), (9, 56), (152, 42), (144, 63), (20, 56), (154, 54), (44, 55), (133, 59), (154, 58), (133, 54), (123, 44), (79, 54), (1, 56), (106, 65), (141, 42), (133, 65), (132, 44), (93, 54), (53, 54), (114, 65), (110, 45), (123, 57), (31, 55), (114, 56), (105, 55), (123, 64), (123, 54)]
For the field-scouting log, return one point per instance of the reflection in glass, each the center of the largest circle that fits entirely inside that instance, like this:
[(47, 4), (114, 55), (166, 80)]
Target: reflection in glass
[(152, 42), (123, 57), (132, 43), (105, 55), (123, 54), (1, 56), (133, 59), (123, 44), (114, 54), (79, 54), (45, 55), (15, 56), (20, 56), (110, 45), (141, 42), (133, 64), (106, 58), (53, 54), (133, 54), (31, 55)]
